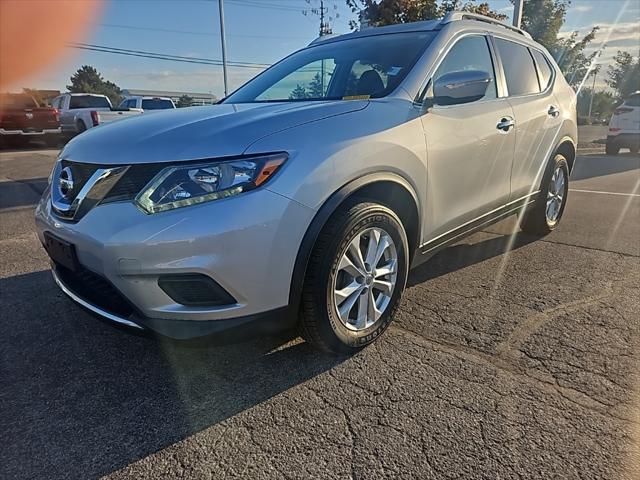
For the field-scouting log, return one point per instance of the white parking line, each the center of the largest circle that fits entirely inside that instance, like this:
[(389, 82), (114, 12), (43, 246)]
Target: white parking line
[(605, 193)]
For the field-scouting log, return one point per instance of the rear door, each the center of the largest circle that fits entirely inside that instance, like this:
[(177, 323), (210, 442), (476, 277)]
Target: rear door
[(469, 156), (529, 83)]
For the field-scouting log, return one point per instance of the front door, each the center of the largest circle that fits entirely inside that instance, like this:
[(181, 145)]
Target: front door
[(470, 148)]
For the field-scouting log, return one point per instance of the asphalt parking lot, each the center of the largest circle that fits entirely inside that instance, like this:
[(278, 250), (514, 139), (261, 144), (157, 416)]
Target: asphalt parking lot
[(512, 357)]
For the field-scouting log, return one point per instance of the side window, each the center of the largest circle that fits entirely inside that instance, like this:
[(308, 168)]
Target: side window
[(519, 69), (469, 53), (544, 69)]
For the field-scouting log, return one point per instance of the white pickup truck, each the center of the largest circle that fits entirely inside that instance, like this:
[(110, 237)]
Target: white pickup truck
[(80, 111)]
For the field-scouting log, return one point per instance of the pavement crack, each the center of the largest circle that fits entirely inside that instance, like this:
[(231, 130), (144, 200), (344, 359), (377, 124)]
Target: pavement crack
[(570, 394)]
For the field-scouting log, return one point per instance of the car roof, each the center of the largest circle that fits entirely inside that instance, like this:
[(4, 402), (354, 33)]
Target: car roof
[(424, 26), (458, 20)]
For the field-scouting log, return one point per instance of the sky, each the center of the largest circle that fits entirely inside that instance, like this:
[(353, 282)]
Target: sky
[(262, 31)]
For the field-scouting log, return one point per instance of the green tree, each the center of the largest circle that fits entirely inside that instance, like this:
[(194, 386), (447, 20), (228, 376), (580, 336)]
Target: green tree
[(88, 80), (604, 103), (184, 101), (316, 88), (377, 13), (298, 93), (624, 74)]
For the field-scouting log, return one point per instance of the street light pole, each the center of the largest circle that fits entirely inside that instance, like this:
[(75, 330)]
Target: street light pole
[(517, 13), (224, 47)]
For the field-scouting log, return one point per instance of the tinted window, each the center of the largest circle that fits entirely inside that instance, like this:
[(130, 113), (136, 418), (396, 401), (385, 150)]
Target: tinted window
[(470, 53), (155, 104), (633, 101), (544, 69), (368, 66), (88, 101), (519, 68)]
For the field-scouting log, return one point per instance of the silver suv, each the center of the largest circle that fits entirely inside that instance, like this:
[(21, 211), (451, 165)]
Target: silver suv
[(306, 195)]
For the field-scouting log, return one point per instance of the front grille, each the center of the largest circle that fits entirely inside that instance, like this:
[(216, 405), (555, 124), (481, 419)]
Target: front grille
[(132, 182), (125, 189), (81, 173), (95, 289)]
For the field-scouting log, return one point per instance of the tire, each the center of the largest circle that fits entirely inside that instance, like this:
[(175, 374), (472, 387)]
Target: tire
[(81, 127), (611, 148), (538, 220), (321, 323)]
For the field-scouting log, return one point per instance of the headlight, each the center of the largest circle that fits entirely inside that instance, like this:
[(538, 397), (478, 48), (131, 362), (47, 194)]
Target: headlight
[(190, 184)]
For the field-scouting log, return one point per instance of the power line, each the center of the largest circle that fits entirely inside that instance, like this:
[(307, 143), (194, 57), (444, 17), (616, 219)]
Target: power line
[(162, 56), (187, 32), (260, 4)]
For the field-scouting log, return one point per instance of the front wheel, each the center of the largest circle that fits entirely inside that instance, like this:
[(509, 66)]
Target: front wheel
[(549, 207), (355, 278)]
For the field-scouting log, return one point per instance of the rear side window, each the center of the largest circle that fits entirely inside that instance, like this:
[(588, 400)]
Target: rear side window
[(156, 104), (470, 53), (519, 68), (88, 101), (544, 69)]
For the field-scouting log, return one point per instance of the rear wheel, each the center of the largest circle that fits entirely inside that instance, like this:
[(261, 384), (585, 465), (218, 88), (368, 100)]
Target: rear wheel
[(81, 127), (549, 207), (355, 278), (611, 147)]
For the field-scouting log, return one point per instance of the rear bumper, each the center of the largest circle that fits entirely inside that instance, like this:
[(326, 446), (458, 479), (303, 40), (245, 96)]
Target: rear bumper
[(624, 139), (46, 131)]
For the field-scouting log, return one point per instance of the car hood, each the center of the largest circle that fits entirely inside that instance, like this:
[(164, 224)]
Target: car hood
[(196, 132)]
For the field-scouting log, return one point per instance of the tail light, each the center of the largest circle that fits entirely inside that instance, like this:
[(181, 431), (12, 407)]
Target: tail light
[(94, 118), (621, 110), (614, 129), (56, 115)]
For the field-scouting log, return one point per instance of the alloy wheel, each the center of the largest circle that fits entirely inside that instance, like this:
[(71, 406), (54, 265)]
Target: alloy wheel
[(555, 195), (365, 279)]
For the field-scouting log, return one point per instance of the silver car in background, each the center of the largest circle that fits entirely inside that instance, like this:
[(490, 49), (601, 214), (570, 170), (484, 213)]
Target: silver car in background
[(306, 195)]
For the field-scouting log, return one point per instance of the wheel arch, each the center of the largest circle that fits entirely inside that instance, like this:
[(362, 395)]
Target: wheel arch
[(567, 148), (388, 189)]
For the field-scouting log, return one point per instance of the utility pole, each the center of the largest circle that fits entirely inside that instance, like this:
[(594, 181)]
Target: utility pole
[(517, 13), (224, 47), (596, 70)]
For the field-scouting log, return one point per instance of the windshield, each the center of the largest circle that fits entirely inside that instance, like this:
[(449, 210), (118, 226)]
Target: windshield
[(368, 67), (156, 104), (88, 101)]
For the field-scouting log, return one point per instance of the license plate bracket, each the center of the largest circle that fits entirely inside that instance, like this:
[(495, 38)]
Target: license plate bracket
[(61, 251)]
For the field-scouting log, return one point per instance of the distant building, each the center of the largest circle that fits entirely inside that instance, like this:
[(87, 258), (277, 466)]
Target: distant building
[(198, 98)]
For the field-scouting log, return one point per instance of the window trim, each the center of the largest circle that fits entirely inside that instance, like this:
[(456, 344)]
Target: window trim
[(535, 66), (497, 72)]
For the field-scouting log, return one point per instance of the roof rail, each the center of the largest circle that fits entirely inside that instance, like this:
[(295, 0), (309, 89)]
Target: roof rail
[(457, 15)]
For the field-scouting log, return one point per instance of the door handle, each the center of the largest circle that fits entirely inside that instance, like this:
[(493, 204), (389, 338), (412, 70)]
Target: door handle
[(553, 112), (505, 124)]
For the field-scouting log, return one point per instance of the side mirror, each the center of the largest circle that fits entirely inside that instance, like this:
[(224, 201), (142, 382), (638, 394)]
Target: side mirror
[(460, 87)]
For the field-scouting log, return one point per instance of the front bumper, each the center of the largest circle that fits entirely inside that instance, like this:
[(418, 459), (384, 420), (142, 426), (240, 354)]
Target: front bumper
[(31, 133), (247, 244)]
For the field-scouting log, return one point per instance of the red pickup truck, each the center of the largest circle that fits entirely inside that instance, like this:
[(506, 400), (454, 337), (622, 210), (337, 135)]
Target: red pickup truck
[(21, 119)]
